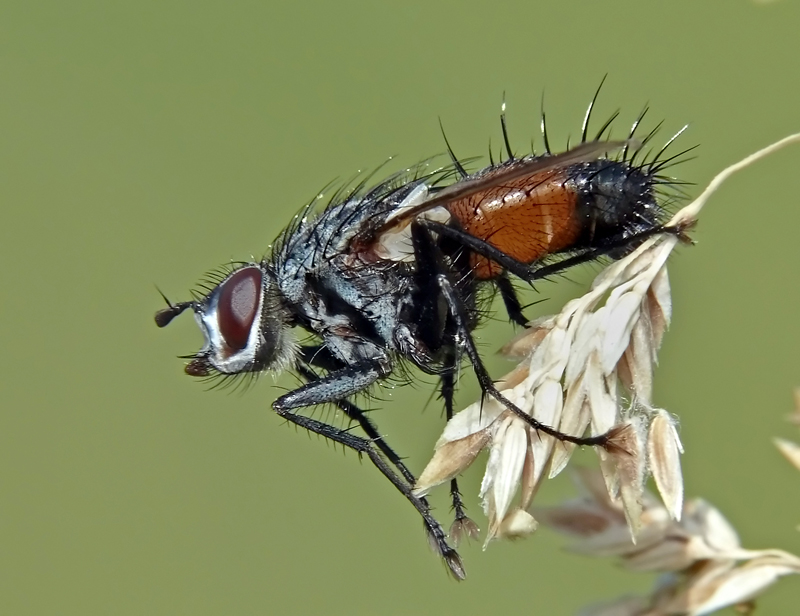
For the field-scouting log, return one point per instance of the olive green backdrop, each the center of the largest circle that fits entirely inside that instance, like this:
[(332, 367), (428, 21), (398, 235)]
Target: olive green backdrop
[(144, 143)]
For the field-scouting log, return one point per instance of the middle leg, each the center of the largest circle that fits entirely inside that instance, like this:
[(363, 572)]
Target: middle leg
[(462, 525), (425, 247), (333, 388)]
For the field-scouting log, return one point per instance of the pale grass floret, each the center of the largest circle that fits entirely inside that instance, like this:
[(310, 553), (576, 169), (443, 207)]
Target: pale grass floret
[(587, 369), (700, 556), (790, 449)]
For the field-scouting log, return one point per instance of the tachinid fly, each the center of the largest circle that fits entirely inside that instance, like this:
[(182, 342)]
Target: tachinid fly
[(397, 272)]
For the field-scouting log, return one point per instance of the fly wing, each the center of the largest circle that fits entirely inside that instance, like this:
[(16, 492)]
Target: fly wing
[(585, 152)]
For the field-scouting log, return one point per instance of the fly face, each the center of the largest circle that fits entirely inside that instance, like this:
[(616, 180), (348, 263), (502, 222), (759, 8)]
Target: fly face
[(244, 327)]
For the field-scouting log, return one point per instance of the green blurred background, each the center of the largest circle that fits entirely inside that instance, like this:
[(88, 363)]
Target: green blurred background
[(144, 143)]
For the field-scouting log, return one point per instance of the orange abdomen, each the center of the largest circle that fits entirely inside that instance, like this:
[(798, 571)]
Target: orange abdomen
[(527, 218)]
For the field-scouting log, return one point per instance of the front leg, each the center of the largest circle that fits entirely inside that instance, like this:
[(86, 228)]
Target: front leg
[(438, 538), (335, 386), (318, 356)]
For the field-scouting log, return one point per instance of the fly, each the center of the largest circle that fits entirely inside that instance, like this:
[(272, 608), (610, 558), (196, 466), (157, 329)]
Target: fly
[(397, 273)]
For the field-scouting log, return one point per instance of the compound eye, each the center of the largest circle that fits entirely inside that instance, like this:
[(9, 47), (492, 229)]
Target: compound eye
[(237, 306)]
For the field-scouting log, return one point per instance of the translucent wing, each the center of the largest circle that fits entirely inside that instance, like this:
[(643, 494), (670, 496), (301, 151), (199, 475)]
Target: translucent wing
[(585, 152)]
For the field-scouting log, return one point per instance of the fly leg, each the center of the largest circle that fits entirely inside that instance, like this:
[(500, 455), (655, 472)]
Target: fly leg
[(423, 241), (510, 300), (336, 385), (608, 249), (357, 414), (527, 272), (332, 388), (436, 330), (364, 446), (462, 525)]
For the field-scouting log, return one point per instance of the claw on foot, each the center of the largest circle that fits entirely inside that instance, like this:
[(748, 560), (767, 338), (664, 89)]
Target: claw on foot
[(463, 528), (451, 558)]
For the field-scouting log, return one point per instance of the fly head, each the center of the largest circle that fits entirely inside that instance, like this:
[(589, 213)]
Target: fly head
[(244, 323)]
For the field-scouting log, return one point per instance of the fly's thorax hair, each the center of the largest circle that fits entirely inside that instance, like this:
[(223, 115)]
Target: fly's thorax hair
[(354, 209), (246, 326)]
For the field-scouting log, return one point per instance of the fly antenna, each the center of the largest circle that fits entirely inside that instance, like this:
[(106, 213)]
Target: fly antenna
[(165, 315)]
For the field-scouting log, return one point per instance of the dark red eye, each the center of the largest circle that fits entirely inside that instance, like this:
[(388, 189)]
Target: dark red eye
[(238, 303)]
